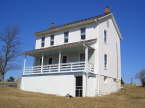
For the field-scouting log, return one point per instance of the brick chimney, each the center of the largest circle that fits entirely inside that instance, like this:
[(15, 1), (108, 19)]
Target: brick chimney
[(107, 10)]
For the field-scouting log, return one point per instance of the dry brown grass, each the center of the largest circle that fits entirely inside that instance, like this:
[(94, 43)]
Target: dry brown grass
[(130, 97)]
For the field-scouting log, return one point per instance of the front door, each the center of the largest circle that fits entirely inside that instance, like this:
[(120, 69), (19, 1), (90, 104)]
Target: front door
[(79, 86)]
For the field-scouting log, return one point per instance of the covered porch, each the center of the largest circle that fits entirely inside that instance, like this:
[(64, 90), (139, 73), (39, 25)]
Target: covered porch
[(73, 57)]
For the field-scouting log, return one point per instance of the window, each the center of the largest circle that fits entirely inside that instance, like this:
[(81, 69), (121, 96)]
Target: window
[(50, 61), (105, 61), (105, 36), (83, 33), (82, 57), (66, 34), (114, 79), (52, 40), (64, 59), (42, 41), (105, 79)]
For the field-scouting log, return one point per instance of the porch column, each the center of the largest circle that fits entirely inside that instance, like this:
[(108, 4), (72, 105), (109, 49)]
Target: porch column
[(59, 61), (24, 66), (86, 67), (42, 62), (86, 59)]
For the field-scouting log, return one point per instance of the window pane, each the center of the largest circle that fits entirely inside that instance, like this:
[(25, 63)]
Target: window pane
[(82, 57), (83, 30), (83, 33), (43, 38), (66, 37), (52, 37), (105, 36), (52, 40), (66, 40), (105, 60), (50, 61), (42, 44), (83, 37), (42, 41), (64, 59), (52, 43), (66, 33)]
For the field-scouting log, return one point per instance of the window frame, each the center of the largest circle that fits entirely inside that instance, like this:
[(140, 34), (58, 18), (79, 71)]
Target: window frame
[(105, 61), (49, 60), (42, 41), (105, 79), (51, 40), (65, 59), (81, 56), (83, 33), (105, 36), (66, 37)]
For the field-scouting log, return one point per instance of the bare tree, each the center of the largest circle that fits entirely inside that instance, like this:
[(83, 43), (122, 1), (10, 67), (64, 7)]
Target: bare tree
[(141, 77), (9, 49)]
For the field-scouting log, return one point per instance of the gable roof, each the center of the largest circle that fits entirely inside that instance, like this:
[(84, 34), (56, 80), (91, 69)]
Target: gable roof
[(78, 23)]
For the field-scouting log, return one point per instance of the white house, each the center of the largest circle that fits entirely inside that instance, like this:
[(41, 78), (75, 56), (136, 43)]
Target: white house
[(81, 58)]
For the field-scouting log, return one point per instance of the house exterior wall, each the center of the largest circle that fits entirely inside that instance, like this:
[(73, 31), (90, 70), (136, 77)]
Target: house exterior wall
[(108, 86), (74, 36), (60, 85), (112, 49), (51, 84)]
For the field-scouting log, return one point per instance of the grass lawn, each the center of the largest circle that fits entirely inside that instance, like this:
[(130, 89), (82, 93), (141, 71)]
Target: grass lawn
[(130, 97)]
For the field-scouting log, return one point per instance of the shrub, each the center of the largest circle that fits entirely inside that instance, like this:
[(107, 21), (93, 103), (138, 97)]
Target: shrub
[(141, 76), (11, 79)]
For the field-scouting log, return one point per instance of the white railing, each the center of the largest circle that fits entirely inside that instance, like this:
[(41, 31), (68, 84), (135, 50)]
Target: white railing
[(54, 68)]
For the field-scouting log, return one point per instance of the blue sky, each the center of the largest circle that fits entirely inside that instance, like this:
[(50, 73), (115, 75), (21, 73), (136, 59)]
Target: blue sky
[(35, 15)]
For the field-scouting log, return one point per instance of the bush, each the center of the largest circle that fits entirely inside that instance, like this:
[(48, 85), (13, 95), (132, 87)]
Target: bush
[(11, 79), (141, 77)]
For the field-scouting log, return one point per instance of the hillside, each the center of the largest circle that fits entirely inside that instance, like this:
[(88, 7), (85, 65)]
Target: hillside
[(129, 97)]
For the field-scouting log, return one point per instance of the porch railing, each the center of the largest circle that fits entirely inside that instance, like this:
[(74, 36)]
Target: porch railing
[(55, 68)]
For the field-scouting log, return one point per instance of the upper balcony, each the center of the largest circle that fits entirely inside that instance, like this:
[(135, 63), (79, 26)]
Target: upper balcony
[(75, 62)]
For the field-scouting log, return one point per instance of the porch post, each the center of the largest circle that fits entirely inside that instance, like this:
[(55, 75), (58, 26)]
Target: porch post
[(59, 61), (86, 67), (24, 66), (42, 60)]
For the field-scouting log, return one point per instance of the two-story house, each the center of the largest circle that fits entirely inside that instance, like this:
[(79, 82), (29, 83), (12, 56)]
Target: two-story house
[(81, 58)]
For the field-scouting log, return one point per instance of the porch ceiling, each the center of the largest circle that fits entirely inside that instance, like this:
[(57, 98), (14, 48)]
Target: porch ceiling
[(64, 47)]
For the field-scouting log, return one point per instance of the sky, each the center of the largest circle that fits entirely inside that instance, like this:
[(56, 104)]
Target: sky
[(35, 15)]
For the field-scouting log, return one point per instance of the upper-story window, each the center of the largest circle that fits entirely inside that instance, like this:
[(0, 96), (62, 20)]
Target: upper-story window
[(105, 61), (83, 33), (42, 41), (105, 36), (66, 35), (52, 40)]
